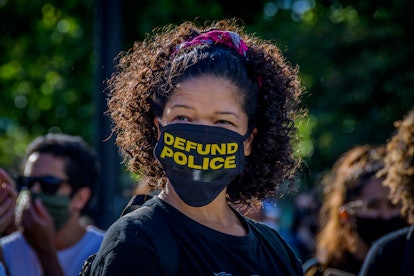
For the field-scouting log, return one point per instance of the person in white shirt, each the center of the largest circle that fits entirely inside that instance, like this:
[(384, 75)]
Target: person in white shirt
[(59, 173)]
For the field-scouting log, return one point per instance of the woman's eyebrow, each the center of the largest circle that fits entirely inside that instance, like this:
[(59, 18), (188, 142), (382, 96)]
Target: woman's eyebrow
[(180, 106), (227, 113)]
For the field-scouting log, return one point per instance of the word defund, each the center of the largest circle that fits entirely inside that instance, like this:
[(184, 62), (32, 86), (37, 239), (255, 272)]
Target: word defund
[(213, 156)]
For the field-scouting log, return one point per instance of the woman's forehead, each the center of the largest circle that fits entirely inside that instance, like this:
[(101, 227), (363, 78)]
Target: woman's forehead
[(207, 90)]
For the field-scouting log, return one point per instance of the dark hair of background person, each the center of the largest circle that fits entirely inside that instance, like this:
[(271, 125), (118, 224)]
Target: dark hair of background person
[(81, 163)]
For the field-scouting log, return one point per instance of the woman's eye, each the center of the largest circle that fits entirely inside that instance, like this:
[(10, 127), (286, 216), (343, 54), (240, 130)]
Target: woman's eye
[(180, 118), (224, 122)]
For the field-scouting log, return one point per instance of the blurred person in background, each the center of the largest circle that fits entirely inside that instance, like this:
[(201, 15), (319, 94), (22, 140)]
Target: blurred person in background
[(302, 232), (59, 173), (8, 195), (271, 214), (393, 254), (355, 212)]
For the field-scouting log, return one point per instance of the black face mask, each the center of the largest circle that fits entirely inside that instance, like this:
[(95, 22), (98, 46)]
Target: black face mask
[(200, 161), (370, 229)]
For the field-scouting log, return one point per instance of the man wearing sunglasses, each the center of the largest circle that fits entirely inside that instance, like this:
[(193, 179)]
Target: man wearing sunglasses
[(59, 173)]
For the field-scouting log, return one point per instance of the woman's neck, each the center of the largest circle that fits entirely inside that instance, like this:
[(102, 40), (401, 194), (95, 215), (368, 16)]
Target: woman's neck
[(216, 215)]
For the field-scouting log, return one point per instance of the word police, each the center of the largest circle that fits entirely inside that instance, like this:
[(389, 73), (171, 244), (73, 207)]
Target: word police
[(212, 156)]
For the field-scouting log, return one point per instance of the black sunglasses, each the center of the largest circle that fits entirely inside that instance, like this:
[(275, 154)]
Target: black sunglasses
[(49, 184)]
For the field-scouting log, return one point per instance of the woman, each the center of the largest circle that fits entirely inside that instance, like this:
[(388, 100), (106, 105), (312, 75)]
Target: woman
[(355, 212), (393, 253), (207, 115)]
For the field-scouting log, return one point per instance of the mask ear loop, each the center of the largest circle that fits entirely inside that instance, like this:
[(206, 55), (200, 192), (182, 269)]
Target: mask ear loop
[(159, 122), (247, 135), (158, 129)]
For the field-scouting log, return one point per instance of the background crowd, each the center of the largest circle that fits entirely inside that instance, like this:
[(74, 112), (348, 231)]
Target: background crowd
[(55, 57), (345, 199)]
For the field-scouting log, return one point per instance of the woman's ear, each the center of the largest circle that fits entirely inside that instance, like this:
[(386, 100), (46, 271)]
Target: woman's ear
[(248, 143), (157, 126)]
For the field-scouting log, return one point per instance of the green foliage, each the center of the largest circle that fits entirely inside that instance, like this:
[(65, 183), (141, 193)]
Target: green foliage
[(155, 14), (45, 72), (355, 60)]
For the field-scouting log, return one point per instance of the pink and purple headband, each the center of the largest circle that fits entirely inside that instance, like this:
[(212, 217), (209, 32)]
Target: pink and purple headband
[(227, 38)]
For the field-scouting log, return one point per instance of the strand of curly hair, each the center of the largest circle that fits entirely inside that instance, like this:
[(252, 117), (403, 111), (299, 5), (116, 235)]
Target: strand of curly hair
[(399, 165)]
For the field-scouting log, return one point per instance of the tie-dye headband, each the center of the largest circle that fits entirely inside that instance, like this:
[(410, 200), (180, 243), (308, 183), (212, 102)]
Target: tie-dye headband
[(227, 38)]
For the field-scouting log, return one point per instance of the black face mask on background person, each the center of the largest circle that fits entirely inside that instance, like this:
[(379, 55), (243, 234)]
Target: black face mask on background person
[(371, 229), (199, 160)]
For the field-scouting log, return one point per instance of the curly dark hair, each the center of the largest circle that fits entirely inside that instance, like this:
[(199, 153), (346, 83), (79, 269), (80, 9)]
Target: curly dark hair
[(342, 184), (399, 165), (148, 73)]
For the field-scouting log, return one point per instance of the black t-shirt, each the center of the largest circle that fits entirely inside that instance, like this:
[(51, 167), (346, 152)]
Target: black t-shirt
[(129, 247), (386, 255)]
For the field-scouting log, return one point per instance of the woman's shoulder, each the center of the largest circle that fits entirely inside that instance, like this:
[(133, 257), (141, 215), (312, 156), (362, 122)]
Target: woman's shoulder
[(270, 234), (272, 237), (142, 232), (142, 217), (135, 229)]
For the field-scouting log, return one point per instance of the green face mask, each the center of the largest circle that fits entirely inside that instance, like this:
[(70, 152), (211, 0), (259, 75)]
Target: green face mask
[(57, 207)]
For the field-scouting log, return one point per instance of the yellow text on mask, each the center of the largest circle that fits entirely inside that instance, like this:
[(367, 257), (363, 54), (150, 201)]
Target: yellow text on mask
[(224, 150), (202, 149)]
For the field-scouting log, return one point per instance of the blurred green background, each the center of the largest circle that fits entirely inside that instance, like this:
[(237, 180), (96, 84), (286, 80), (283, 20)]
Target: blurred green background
[(355, 57)]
